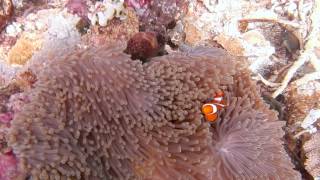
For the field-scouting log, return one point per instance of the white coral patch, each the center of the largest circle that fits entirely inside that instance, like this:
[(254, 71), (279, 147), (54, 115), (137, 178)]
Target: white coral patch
[(310, 119), (104, 11), (14, 29)]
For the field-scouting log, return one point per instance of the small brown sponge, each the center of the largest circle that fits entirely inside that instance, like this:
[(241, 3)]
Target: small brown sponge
[(97, 114)]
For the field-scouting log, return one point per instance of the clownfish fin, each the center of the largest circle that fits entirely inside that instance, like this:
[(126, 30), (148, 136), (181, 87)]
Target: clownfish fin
[(211, 117), (218, 99)]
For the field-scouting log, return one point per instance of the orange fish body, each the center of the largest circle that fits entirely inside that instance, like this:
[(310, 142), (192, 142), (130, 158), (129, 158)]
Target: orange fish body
[(211, 108)]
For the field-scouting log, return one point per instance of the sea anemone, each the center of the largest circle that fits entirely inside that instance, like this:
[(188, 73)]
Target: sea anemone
[(97, 114), (247, 140), (246, 144)]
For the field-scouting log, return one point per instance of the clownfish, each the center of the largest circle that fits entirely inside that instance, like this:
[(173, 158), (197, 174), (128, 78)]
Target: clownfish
[(212, 106)]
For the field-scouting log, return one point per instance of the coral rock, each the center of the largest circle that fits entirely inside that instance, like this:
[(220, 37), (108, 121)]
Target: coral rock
[(23, 50), (78, 7), (6, 12), (193, 35), (254, 37), (117, 31), (301, 103), (6, 117), (161, 13), (26, 79), (232, 45), (8, 166), (104, 11), (137, 4), (312, 150)]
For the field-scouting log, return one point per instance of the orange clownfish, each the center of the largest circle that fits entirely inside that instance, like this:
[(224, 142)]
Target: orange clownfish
[(211, 107)]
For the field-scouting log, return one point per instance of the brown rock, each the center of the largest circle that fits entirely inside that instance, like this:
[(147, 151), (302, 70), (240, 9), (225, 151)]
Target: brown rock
[(193, 35), (299, 105), (26, 79), (312, 149), (254, 37), (6, 12), (232, 45), (304, 152)]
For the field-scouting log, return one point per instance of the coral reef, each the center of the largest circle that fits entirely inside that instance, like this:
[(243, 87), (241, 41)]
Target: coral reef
[(8, 161), (100, 114), (22, 51), (104, 11), (161, 15), (78, 7), (303, 123), (117, 31), (138, 5), (8, 166), (7, 73), (6, 11), (312, 151)]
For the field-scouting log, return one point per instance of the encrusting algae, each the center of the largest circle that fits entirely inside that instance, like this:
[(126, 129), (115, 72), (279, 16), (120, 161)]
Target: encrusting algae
[(97, 114)]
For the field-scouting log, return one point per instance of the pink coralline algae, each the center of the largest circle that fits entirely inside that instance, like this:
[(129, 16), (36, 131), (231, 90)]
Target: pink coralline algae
[(78, 7), (138, 4), (8, 166), (14, 105), (6, 117), (11, 103), (17, 101)]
